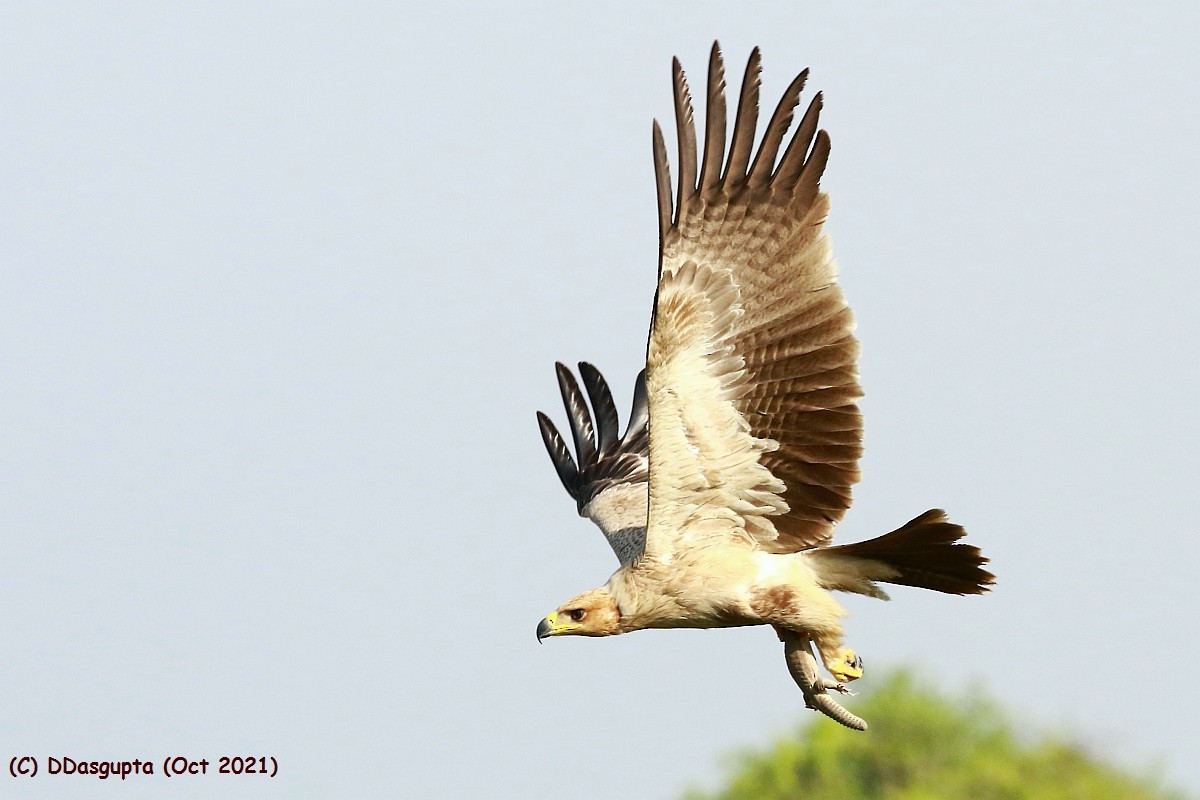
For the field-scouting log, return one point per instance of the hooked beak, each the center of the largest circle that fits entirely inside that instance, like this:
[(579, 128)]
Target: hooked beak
[(552, 626)]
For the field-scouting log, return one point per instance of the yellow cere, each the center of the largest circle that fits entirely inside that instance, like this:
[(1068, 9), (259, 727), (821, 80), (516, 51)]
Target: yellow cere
[(556, 626)]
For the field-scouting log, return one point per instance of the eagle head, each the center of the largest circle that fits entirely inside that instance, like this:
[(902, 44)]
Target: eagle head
[(593, 613)]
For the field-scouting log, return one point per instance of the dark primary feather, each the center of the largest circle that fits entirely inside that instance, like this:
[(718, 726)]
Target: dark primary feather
[(714, 125), (577, 415), (793, 161), (602, 402), (764, 163), (662, 182), (637, 434), (564, 464), (602, 460), (685, 134), (742, 145)]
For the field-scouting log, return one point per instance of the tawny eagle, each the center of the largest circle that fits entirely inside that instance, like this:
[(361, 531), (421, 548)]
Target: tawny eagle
[(721, 496)]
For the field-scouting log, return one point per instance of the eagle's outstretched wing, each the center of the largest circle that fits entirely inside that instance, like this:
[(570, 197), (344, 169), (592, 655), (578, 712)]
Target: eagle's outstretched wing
[(751, 364), (608, 475)]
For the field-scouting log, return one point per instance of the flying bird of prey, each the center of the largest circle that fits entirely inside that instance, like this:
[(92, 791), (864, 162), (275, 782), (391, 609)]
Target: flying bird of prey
[(721, 496)]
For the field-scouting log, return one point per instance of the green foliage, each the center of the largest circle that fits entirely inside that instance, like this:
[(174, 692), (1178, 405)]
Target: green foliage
[(925, 746)]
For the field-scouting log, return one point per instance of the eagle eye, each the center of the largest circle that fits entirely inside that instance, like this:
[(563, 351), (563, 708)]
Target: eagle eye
[(577, 614)]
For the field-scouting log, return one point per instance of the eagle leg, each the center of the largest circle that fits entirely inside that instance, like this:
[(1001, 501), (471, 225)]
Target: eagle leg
[(802, 665)]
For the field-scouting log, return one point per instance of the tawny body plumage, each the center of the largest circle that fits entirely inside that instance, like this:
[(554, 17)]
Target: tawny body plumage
[(721, 498), (724, 587)]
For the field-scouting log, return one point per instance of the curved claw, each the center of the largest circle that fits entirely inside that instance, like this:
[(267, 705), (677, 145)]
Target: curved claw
[(802, 665)]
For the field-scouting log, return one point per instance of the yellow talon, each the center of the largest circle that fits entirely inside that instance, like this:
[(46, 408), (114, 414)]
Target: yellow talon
[(846, 667)]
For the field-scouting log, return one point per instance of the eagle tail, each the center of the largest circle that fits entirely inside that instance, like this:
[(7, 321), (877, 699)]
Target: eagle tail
[(924, 552)]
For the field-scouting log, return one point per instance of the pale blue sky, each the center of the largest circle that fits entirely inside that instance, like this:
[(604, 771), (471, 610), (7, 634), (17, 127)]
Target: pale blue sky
[(282, 287)]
